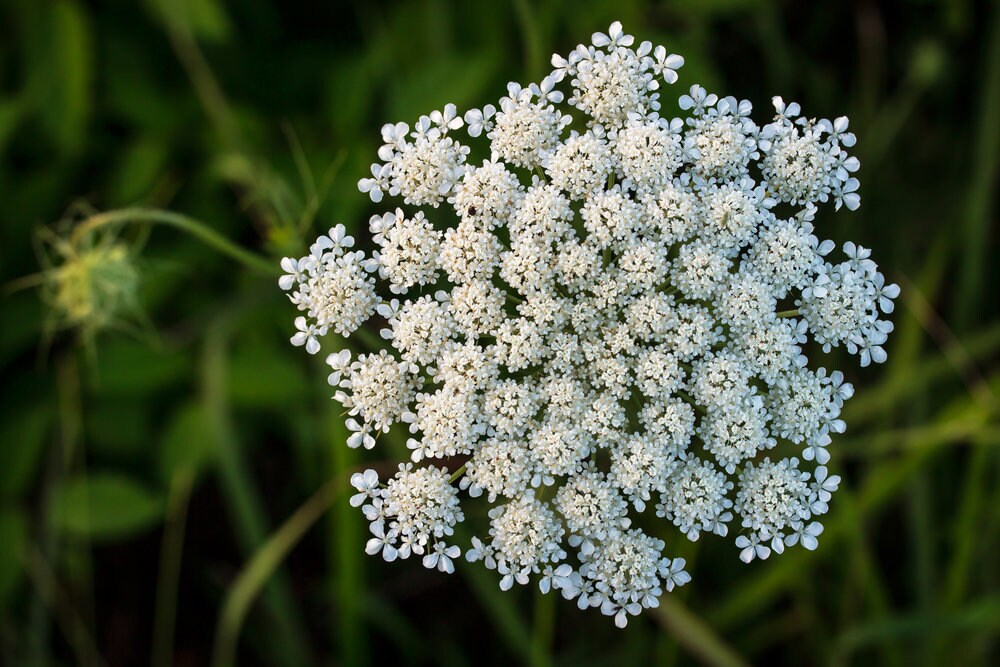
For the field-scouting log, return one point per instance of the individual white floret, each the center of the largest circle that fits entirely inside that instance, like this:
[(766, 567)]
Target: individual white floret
[(487, 195), (591, 505), (419, 329), (746, 304), (448, 424), (804, 404), (721, 140), (501, 467), (649, 151), (735, 433), (409, 249), (671, 421), (510, 405), (695, 500), (581, 164), (477, 308), (733, 213), (469, 253), (700, 270), (525, 535), (720, 379), (421, 505), (785, 254), (640, 465), (524, 129), (675, 212), (658, 373), (610, 218), (627, 570), (770, 497), (542, 217), (692, 332), (377, 391)]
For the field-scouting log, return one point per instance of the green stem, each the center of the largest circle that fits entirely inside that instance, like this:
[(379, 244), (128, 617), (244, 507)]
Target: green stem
[(345, 531), (59, 605), (171, 551), (196, 229), (541, 635), (456, 475), (261, 568), (288, 643), (695, 634), (789, 313)]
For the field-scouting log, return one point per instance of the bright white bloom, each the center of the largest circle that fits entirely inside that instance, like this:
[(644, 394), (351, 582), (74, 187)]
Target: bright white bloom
[(614, 313)]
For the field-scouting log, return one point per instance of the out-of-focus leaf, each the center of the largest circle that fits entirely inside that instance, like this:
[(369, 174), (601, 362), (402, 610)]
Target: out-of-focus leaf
[(187, 444), (128, 367), (105, 506), (66, 98), (261, 376), (13, 535)]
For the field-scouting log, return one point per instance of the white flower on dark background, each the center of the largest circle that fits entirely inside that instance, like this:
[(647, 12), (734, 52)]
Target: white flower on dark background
[(614, 313)]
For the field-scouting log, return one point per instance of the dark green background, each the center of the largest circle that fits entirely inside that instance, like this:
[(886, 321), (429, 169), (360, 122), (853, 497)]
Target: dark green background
[(198, 415)]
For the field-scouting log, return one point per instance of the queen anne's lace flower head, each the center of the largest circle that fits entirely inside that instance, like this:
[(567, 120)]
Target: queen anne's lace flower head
[(609, 315)]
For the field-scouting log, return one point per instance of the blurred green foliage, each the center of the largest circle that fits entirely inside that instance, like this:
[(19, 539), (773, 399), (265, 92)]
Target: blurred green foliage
[(141, 470)]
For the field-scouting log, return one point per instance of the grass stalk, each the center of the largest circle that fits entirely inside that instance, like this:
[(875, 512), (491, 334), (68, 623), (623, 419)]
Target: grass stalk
[(288, 644), (171, 551), (262, 567)]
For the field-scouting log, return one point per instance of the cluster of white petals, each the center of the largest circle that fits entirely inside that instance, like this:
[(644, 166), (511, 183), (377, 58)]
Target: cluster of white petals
[(603, 316)]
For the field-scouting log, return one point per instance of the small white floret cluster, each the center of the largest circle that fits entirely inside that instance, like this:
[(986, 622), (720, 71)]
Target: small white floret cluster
[(615, 317)]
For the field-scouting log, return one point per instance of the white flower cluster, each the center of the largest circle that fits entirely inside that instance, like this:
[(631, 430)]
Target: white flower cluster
[(618, 318)]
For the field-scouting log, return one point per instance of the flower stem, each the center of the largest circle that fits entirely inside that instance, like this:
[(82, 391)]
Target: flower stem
[(789, 313), (262, 567), (541, 635), (171, 551), (456, 475), (198, 230)]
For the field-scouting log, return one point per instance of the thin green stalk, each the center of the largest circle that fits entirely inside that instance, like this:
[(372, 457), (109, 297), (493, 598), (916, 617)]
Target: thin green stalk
[(544, 625), (79, 562), (288, 645), (528, 23), (984, 166), (455, 476), (206, 87), (695, 635), (262, 568), (346, 558), (789, 313), (198, 230), (171, 551), (60, 606)]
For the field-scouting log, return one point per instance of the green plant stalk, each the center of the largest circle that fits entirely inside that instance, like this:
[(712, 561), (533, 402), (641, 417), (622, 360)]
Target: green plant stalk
[(73, 456), (344, 540), (544, 625), (262, 568), (171, 551), (694, 634), (198, 230), (289, 645), (982, 177), (59, 605)]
